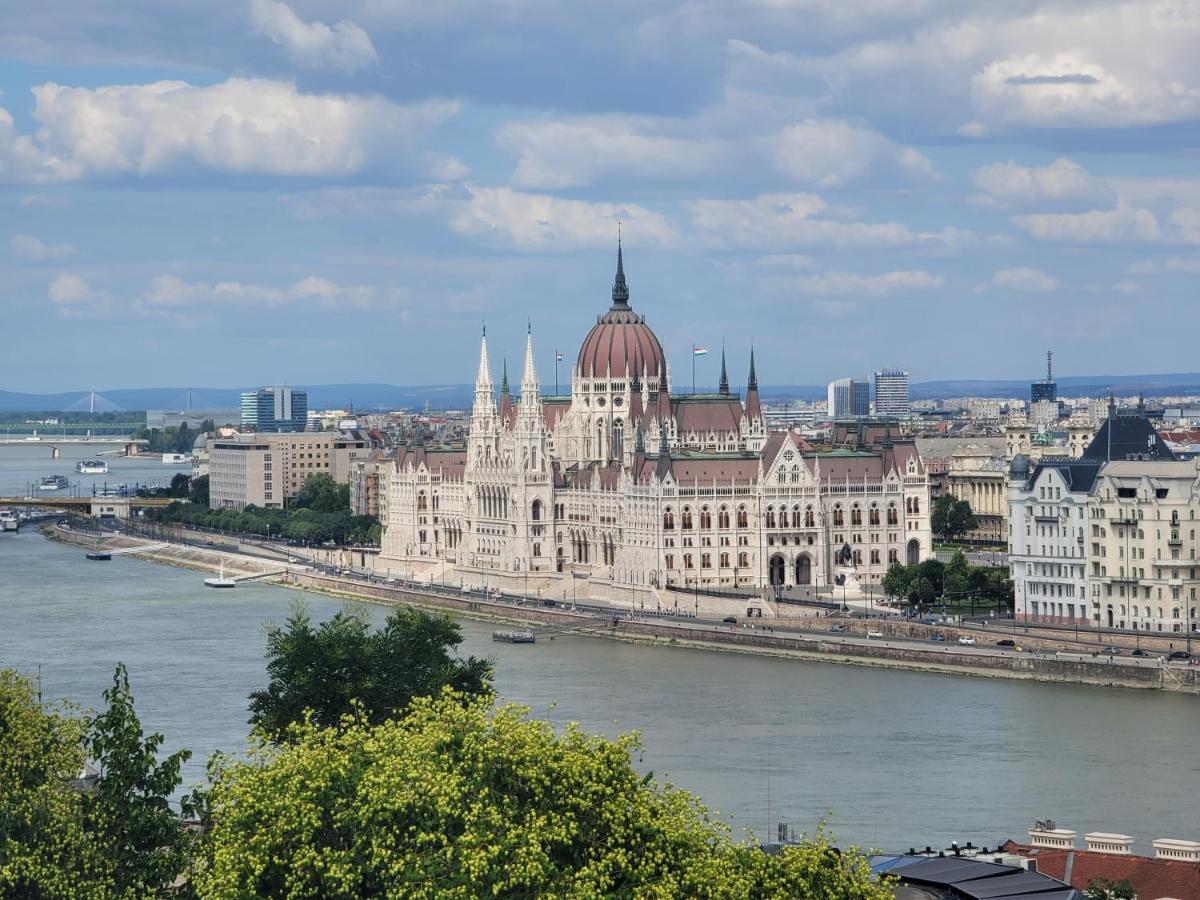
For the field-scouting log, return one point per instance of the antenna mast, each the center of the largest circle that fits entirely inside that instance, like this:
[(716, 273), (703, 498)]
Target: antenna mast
[(1049, 366)]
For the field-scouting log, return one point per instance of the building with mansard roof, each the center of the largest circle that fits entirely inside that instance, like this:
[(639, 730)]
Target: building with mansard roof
[(629, 488)]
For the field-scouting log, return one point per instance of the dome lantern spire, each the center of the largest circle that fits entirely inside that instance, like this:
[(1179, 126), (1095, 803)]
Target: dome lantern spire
[(620, 290)]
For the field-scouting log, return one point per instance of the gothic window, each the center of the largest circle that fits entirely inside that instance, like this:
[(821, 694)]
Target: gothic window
[(770, 517), (741, 517), (855, 515), (670, 560), (705, 518), (535, 512), (809, 519), (687, 561), (668, 520), (783, 519), (723, 518), (893, 557), (873, 515), (893, 517), (743, 560), (724, 560), (705, 561), (422, 503), (837, 515), (686, 523)]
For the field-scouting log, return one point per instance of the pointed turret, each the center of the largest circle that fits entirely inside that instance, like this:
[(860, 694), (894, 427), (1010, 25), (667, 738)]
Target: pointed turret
[(530, 388), (753, 404), (662, 408), (620, 290), (636, 411), (505, 395), (483, 382), (723, 390)]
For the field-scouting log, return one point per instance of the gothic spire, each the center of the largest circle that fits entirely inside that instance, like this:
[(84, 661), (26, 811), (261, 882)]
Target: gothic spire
[(620, 290), (504, 378), (752, 384), (753, 403), (485, 370), (529, 380), (724, 388)]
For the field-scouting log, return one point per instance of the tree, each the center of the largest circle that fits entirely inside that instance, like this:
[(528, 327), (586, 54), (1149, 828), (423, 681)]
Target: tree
[(939, 515), (896, 580), (179, 485), (129, 812), (345, 665), (962, 519), (460, 800), (44, 851), (1104, 889), (198, 490)]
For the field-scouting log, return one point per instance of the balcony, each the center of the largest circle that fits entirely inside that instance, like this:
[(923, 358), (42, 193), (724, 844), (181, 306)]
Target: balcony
[(1126, 519)]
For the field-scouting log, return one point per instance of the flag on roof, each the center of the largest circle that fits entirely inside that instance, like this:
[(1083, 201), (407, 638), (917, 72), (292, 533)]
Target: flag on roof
[(558, 357), (698, 351)]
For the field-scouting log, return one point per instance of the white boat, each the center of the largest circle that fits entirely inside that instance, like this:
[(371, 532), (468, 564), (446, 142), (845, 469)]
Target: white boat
[(9, 520), (91, 467), (53, 483), (220, 581)]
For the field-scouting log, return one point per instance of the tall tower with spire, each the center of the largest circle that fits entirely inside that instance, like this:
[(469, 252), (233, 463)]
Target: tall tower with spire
[(754, 423)]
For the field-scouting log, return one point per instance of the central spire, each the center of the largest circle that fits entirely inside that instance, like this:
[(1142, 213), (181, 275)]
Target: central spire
[(723, 389), (620, 291)]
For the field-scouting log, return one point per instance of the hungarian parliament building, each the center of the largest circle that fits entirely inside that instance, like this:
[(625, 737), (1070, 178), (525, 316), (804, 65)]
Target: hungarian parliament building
[(635, 488)]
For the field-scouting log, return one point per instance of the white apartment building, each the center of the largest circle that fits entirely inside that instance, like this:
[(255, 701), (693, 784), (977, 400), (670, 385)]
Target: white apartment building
[(1108, 539), (891, 393)]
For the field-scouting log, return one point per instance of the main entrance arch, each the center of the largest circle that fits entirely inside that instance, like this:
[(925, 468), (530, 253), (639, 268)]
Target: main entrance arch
[(803, 569), (777, 566)]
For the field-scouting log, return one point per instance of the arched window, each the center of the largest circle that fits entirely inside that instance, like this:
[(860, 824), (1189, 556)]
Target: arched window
[(809, 518), (837, 515), (916, 506), (770, 517), (742, 520), (535, 512), (723, 518), (873, 515), (668, 520), (783, 519), (422, 504), (686, 523), (855, 515), (705, 518), (892, 517)]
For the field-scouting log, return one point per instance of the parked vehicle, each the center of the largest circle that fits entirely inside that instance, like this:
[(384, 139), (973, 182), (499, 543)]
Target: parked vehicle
[(1006, 643), (874, 634), (1111, 651), (837, 629), (1139, 652), (1180, 655), (967, 640), (941, 638), (730, 620)]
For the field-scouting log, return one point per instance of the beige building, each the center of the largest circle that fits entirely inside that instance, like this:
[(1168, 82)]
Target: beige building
[(267, 469), (977, 475), (366, 483)]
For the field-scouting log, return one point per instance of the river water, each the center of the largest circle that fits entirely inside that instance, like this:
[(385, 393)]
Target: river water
[(891, 759), (23, 465)]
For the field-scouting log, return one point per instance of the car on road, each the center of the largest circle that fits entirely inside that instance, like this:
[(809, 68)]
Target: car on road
[(967, 640), (837, 629), (1006, 643), (941, 638), (1138, 652), (548, 602), (874, 634), (730, 620), (1180, 655), (1111, 651)]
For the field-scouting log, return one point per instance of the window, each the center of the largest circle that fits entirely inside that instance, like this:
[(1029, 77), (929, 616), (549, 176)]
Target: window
[(837, 515), (723, 518), (686, 522), (855, 515), (741, 517), (705, 518), (668, 520)]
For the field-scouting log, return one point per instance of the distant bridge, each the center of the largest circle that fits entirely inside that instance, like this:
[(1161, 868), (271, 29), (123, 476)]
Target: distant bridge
[(130, 446), (117, 507)]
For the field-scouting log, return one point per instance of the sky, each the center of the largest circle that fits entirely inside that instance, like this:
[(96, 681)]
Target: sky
[(245, 192)]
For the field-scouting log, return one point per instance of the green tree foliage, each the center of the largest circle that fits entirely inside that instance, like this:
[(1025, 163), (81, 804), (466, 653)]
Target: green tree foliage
[(1104, 889), (460, 800), (957, 581), (198, 490), (43, 848), (129, 812), (344, 664), (952, 519), (172, 439), (320, 512)]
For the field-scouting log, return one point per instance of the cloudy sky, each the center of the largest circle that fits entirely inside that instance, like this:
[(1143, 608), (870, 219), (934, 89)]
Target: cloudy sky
[(246, 191)]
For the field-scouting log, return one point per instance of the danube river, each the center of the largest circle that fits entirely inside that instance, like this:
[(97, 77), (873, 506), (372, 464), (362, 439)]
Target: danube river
[(23, 465), (897, 758)]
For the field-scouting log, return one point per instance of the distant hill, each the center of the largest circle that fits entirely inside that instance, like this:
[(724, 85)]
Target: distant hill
[(373, 397)]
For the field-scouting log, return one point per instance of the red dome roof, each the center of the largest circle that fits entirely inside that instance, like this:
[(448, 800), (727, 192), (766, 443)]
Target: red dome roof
[(621, 341)]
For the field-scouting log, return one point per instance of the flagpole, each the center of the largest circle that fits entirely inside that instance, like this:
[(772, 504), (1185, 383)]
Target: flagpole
[(555, 373), (693, 369)]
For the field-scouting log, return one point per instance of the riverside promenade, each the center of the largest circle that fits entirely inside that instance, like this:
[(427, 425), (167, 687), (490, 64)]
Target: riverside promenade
[(891, 648)]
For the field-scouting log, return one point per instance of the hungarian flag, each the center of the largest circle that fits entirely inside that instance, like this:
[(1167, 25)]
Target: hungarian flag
[(558, 356), (698, 351)]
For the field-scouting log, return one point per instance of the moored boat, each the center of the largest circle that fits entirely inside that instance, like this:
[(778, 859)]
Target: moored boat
[(91, 467), (220, 581), (53, 483), (514, 637)]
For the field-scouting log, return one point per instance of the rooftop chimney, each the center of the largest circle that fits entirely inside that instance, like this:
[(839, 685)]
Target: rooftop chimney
[(1045, 834), (1101, 842), (1169, 848)]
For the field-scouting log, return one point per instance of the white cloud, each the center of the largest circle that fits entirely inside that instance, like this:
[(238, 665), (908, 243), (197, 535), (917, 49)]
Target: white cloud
[(830, 153), (170, 294), (854, 284), (1185, 265), (242, 126), (539, 222), (67, 289), (26, 246), (345, 46), (1024, 279), (1062, 184), (1098, 226), (714, 145), (786, 220)]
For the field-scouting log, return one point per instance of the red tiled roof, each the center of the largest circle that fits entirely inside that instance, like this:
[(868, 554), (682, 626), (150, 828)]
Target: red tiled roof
[(1151, 878), (705, 415), (719, 469)]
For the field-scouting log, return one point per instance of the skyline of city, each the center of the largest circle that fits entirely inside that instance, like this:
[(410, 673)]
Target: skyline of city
[(361, 187)]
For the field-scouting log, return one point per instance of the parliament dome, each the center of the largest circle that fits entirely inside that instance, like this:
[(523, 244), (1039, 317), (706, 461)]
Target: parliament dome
[(620, 341)]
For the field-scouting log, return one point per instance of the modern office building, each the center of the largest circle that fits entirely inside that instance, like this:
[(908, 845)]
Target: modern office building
[(278, 408), (266, 469), (849, 398), (891, 393), (1046, 390)]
